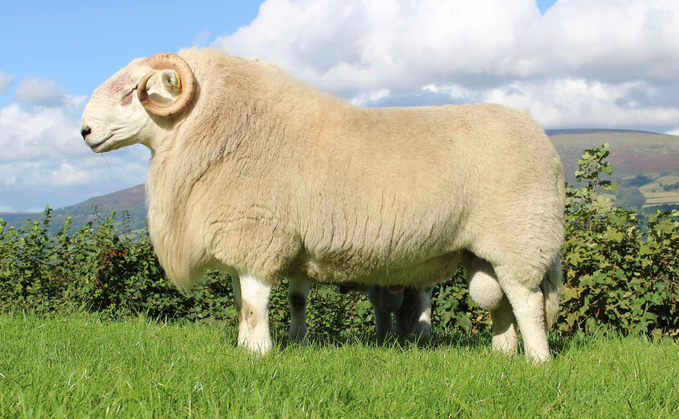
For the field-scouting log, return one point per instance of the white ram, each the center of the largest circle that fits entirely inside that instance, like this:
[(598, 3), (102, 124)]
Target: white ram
[(265, 177)]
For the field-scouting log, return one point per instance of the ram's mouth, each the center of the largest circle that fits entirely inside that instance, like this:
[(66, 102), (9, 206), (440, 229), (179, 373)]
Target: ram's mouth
[(97, 144)]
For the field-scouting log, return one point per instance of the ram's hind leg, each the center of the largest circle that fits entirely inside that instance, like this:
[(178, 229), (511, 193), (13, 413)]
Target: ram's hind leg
[(527, 303), (298, 291), (485, 290), (252, 302), (504, 328)]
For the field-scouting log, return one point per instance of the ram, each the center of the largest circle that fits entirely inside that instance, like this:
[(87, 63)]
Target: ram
[(263, 176)]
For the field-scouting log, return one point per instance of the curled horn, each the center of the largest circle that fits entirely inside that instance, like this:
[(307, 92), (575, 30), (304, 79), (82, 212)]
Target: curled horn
[(164, 61)]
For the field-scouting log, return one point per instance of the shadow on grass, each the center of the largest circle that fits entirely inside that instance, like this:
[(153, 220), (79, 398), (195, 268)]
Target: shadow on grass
[(559, 344), (440, 339)]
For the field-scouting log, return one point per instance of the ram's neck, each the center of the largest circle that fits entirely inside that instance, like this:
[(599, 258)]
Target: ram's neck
[(240, 134), (227, 138)]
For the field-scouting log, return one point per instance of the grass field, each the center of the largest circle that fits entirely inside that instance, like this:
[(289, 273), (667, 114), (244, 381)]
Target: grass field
[(80, 366), (655, 195)]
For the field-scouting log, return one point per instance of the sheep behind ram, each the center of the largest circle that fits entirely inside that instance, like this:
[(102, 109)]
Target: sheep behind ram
[(411, 308), (263, 176)]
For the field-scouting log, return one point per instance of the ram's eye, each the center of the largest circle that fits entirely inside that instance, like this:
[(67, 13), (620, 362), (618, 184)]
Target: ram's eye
[(127, 99)]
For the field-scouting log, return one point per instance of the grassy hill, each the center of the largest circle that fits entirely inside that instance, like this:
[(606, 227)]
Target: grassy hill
[(641, 161), (11, 216), (131, 199), (645, 165), (632, 152)]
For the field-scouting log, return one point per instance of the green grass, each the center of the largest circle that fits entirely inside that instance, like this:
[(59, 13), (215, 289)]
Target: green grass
[(80, 366), (655, 195)]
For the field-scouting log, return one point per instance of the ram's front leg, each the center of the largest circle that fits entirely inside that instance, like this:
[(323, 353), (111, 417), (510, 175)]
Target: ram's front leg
[(251, 296)]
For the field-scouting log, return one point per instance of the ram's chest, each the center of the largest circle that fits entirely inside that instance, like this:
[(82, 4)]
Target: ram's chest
[(162, 229), (165, 225)]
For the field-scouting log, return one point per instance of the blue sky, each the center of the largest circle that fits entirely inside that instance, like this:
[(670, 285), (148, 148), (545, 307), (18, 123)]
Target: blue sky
[(569, 63), (543, 5), (80, 43)]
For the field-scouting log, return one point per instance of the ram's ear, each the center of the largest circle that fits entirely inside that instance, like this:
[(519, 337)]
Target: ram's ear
[(171, 81)]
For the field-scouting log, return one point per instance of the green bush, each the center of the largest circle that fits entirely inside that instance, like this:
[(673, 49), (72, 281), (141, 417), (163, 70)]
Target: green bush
[(620, 272), (94, 269), (616, 275)]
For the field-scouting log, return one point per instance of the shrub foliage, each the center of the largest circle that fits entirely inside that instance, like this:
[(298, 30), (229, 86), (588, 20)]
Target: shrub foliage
[(620, 272)]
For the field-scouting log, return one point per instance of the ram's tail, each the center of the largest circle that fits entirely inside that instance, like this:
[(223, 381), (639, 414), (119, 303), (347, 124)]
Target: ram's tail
[(550, 289)]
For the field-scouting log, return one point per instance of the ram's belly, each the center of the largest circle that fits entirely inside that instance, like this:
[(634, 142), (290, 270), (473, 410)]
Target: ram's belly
[(417, 273), (397, 245)]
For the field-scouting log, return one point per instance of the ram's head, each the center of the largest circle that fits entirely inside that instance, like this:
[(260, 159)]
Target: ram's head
[(129, 106)]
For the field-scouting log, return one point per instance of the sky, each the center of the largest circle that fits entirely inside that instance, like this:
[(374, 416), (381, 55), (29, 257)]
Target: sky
[(569, 63)]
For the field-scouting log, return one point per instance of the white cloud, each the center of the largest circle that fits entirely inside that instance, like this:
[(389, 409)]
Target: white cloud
[(354, 45), (455, 91), (45, 161), (67, 175), (570, 102), (50, 128), (127, 166), (202, 38), (136, 168), (35, 91), (582, 103), (606, 63), (607, 39), (65, 181), (5, 81), (372, 96), (39, 133), (75, 104)]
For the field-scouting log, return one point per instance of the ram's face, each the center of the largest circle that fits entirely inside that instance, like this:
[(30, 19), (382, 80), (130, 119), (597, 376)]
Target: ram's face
[(128, 107)]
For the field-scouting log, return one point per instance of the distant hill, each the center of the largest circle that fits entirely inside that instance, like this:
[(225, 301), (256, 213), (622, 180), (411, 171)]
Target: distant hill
[(10, 216), (551, 132), (131, 199), (632, 152), (645, 165)]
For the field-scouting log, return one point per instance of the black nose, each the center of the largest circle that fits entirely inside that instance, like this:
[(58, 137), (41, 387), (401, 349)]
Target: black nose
[(85, 132)]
